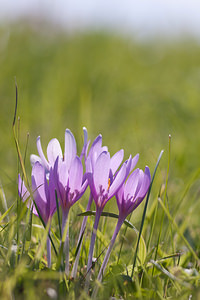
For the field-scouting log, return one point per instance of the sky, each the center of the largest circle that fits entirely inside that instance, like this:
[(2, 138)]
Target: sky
[(143, 18)]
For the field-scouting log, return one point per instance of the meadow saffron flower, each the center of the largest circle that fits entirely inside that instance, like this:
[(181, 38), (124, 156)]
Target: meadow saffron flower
[(103, 185), (70, 181), (68, 173), (95, 150), (71, 184), (129, 196), (43, 193), (54, 150)]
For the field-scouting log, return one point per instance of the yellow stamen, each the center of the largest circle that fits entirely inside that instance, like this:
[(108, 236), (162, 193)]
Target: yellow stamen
[(108, 184)]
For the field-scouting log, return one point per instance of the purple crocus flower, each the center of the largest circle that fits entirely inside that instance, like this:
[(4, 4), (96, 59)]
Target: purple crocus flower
[(90, 159), (54, 150), (129, 196), (43, 193), (103, 185), (71, 184)]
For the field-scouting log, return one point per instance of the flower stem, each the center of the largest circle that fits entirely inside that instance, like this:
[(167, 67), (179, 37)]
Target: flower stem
[(92, 243), (106, 258), (80, 239), (48, 252), (65, 239)]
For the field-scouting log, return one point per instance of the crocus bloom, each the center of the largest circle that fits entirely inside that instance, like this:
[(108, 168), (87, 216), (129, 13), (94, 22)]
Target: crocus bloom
[(103, 187), (129, 196), (90, 159), (68, 172), (43, 193), (54, 150), (71, 184)]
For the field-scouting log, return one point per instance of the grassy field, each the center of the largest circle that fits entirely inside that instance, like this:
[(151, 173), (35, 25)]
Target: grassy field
[(135, 95)]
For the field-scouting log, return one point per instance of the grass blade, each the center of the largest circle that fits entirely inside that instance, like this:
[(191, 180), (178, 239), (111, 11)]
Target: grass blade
[(144, 211), (171, 219), (108, 214)]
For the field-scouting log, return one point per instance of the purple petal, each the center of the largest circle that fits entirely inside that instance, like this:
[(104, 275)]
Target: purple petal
[(119, 196), (116, 160), (38, 175), (76, 174), (96, 144), (89, 176), (22, 190), (61, 177), (41, 154), (133, 184), (85, 133), (83, 187), (63, 173), (81, 192), (88, 165), (95, 149), (118, 181), (134, 162), (101, 171), (53, 151), (70, 147), (38, 186), (145, 183), (24, 194), (52, 197), (34, 158), (85, 144), (92, 187)]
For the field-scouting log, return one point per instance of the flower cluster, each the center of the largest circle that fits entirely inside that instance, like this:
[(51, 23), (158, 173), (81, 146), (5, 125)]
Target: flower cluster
[(65, 177)]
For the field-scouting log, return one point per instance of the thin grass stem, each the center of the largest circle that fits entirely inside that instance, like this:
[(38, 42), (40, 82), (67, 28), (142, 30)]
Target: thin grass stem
[(144, 211)]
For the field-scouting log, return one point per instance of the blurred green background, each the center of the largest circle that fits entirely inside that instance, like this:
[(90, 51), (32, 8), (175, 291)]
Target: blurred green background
[(134, 94)]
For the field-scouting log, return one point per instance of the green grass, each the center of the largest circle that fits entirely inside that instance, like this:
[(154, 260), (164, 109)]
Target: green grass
[(135, 95)]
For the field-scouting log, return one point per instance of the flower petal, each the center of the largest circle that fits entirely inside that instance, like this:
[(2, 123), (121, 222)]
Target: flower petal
[(85, 144), (52, 197), (132, 184), (95, 149), (41, 154), (61, 177), (145, 183), (38, 175), (119, 196), (70, 148), (34, 158), (53, 151), (89, 176), (118, 181), (22, 190), (75, 175), (38, 186), (116, 160), (101, 172), (134, 162)]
